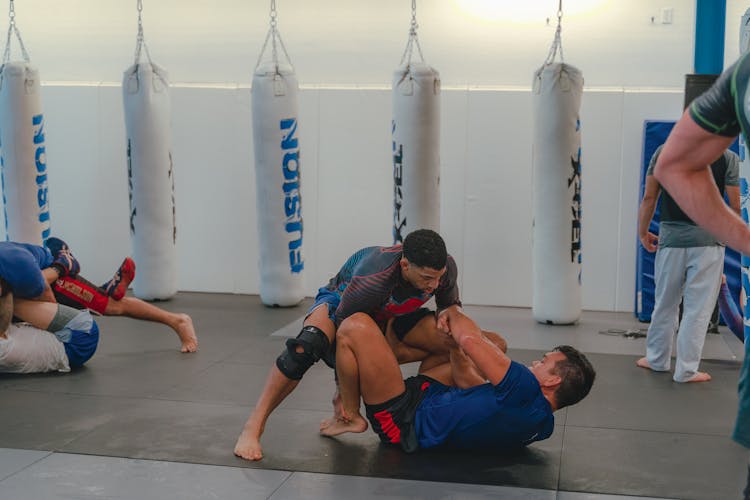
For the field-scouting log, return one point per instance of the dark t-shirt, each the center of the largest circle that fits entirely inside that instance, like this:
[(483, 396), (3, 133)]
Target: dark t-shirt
[(719, 110), (370, 281)]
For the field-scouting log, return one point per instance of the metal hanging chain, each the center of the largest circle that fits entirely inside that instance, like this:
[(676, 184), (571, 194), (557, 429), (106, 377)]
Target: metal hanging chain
[(413, 39), (13, 29), (275, 37), (272, 22), (557, 43), (140, 40)]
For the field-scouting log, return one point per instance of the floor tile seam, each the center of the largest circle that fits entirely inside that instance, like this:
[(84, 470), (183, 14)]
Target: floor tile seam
[(651, 431), (230, 404), (286, 479), (716, 388), (242, 466), (193, 373), (592, 351), (246, 465), (85, 395), (560, 492), (265, 364), (157, 398), (130, 398), (48, 454), (73, 439), (66, 393), (560, 460)]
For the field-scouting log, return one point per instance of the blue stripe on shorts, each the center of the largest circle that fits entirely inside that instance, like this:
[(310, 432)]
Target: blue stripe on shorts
[(329, 297), (80, 338)]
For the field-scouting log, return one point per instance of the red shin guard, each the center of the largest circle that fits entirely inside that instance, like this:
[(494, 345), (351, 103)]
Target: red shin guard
[(81, 293)]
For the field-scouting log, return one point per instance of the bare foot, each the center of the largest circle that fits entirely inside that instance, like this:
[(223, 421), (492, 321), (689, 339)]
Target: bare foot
[(643, 363), (338, 411), (186, 332), (355, 424), (248, 447), (699, 377)]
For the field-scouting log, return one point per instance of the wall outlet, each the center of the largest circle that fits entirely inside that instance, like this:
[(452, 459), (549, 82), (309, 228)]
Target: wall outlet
[(667, 15)]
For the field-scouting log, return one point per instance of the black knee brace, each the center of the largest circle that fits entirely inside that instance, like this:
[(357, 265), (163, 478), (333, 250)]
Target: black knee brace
[(315, 345)]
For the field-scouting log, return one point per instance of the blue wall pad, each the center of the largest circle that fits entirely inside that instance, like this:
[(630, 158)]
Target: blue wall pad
[(654, 135)]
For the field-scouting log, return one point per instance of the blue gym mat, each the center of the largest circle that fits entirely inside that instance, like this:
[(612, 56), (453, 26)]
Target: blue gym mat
[(654, 135)]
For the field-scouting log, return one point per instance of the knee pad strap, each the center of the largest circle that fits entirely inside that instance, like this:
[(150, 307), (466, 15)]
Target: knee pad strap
[(314, 345)]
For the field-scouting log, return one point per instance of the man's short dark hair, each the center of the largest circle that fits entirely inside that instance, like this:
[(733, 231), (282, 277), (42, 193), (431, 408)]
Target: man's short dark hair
[(577, 376), (425, 248)]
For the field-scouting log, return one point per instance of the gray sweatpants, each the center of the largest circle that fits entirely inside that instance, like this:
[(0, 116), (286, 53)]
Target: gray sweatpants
[(693, 275)]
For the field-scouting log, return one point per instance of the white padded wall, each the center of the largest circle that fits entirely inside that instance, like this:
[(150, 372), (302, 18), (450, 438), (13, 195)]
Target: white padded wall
[(354, 170), (496, 224)]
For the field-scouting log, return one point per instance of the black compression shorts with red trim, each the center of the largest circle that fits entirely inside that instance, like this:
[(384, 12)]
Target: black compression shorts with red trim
[(393, 421)]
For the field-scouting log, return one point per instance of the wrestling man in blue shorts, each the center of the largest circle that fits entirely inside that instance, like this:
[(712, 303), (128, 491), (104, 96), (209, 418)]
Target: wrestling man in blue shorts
[(512, 409), (387, 284)]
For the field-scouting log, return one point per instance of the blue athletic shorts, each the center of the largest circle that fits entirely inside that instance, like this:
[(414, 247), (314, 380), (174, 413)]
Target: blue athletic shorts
[(330, 298), (80, 338)]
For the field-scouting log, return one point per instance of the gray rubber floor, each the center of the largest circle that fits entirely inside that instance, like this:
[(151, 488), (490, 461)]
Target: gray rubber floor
[(144, 421)]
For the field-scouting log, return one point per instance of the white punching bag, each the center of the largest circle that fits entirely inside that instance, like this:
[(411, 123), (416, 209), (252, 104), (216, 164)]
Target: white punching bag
[(556, 163), (277, 180), (23, 160), (416, 149), (145, 91)]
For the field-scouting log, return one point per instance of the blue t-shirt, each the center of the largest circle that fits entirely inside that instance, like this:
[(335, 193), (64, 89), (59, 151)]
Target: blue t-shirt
[(20, 266), (511, 414)]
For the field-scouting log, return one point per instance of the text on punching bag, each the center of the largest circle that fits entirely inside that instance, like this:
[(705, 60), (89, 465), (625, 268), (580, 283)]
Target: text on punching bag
[(399, 216), (292, 198), (575, 208), (40, 160)]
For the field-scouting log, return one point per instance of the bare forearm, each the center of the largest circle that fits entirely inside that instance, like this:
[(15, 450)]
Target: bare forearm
[(645, 214), (50, 275), (489, 359), (464, 372)]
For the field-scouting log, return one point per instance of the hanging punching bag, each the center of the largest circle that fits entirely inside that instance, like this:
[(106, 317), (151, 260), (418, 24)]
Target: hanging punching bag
[(277, 181), (416, 149), (556, 163), (23, 158), (145, 90)]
